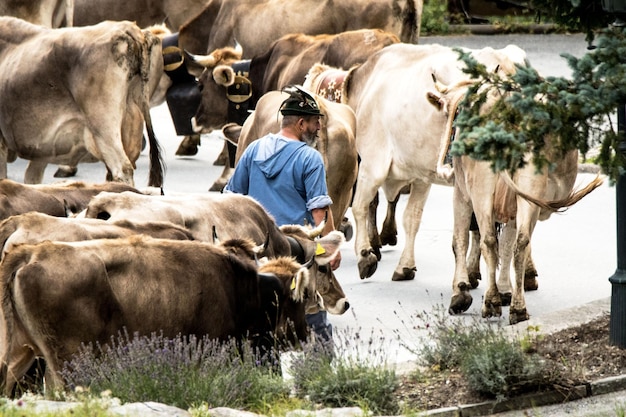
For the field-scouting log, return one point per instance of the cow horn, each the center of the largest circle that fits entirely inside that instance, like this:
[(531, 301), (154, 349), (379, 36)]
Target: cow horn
[(442, 88), (309, 263), (216, 239), (313, 233), (203, 60)]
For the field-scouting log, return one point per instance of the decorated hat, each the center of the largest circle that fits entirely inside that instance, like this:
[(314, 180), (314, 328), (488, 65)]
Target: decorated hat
[(300, 102)]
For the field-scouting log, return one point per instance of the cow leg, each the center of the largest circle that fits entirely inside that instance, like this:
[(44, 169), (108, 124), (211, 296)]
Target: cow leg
[(189, 146), (34, 172), (4, 159), (526, 219), (366, 192), (389, 233), (221, 182), (492, 305), (505, 249), (461, 298), (530, 274), (66, 171), (222, 158), (19, 362), (372, 229), (411, 222), (473, 259)]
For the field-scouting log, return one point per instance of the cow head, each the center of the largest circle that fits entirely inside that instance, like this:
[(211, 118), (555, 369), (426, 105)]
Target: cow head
[(214, 81), (324, 250), (286, 288)]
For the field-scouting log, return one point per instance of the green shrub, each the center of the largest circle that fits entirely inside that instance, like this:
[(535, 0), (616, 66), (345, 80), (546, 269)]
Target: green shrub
[(492, 362), (356, 378), (181, 372), (435, 18)]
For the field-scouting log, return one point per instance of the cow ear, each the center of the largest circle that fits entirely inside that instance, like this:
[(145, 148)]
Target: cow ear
[(328, 247), (231, 132), (224, 75), (299, 285), (435, 99)]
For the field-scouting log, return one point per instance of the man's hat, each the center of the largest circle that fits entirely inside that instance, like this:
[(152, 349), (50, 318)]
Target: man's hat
[(300, 102)]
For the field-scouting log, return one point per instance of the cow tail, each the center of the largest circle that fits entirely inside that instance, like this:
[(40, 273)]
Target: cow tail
[(411, 21), (7, 228), (156, 159), (8, 271), (554, 205)]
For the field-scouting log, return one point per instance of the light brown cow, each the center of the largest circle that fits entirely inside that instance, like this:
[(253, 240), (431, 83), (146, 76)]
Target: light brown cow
[(57, 199), (233, 216), (517, 201), (224, 22), (35, 227), (395, 84), (97, 107), (336, 143), (48, 13), (172, 13), (51, 308)]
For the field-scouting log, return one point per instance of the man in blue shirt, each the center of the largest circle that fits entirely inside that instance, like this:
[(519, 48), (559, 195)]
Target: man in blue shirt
[(284, 173)]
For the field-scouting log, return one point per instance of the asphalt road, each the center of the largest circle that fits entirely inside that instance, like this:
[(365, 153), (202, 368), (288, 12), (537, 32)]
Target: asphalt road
[(575, 252)]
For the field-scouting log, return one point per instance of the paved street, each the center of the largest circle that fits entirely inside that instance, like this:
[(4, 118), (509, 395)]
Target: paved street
[(574, 252)]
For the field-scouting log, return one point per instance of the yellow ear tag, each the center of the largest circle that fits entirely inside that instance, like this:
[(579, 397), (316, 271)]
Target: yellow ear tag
[(319, 250), (293, 284)]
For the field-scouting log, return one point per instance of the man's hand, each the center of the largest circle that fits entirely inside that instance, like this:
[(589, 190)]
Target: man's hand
[(334, 264)]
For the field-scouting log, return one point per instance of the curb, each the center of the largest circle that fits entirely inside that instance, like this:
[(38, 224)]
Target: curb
[(600, 387), (488, 29)]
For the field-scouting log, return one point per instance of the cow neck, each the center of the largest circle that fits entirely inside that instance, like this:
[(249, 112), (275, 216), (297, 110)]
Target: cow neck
[(445, 170), (297, 250), (239, 93), (330, 84)]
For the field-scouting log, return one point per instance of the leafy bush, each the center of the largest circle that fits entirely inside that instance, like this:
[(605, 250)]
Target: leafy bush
[(492, 362), (182, 372), (435, 18), (354, 378)]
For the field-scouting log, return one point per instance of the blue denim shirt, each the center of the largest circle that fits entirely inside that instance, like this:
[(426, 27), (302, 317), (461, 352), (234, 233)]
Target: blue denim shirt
[(286, 176)]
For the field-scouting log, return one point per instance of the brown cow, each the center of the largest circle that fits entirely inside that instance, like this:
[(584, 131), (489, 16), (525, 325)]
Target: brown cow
[(224, 22), (92, 106), (48, 13), (57, 199), (51, 308), (35, 227), (233, 216), (285, 62)]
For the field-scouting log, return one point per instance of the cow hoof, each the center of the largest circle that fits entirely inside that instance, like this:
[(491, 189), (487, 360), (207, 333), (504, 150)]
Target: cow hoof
[(217, 187), (188, 146), (474, 277), (346, 228), (493, 309), (517, 316), (390, 239), (367, 263), (530, 283), (506, 298), (460, 303), (406, 275), (65, 171)]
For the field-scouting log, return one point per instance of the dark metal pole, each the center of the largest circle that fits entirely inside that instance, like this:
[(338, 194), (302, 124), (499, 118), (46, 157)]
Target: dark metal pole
[(618, 280)]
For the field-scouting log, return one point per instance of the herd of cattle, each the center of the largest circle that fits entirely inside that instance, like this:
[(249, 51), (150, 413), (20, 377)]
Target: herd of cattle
[(72, 252)]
